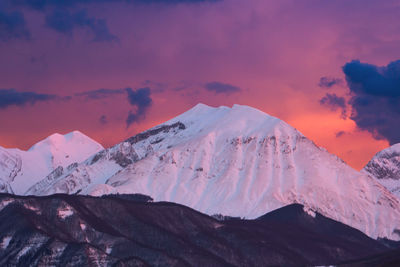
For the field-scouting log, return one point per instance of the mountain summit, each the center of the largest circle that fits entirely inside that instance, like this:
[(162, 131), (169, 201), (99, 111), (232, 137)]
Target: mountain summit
[(234, 161), (20, 169)]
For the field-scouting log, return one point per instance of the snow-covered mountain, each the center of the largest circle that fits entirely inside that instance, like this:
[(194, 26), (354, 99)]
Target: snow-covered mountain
[(19, 169), (385, 166), (234, 161)]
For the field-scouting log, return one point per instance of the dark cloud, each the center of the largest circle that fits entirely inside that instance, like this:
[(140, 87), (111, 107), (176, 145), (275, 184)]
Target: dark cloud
[(141, 99), (64, 16), (369, 79), (221, 88), (11, 97), (328, 82), (13, 25), (65, 21), (103, 119), (171, 1), (375, 98), (101, 93), (43, 4), (334, 102)]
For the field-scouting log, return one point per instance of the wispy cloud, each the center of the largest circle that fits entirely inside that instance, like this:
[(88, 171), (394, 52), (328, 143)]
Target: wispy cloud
[(334, 102), (65, 21), (328, 82), (221, 88), (12, 97), (100, 93)]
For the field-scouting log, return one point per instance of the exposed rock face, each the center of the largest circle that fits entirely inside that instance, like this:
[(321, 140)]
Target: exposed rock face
[(385, 167), (163, 128), (10, 166), (72, 230), (123, 154), (385, 164)]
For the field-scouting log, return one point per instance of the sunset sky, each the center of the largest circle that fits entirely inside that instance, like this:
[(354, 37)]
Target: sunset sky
[(114, 68)]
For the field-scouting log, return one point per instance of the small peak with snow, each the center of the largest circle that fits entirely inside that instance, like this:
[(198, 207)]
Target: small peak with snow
[(78, 136), (54, 136), (44, 157), (48, 141), (75, 134), (201, 107), (70, 139)]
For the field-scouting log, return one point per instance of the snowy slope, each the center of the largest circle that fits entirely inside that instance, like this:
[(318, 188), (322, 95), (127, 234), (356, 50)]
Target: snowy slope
[(235, 161), (19, 169), (385, 167)]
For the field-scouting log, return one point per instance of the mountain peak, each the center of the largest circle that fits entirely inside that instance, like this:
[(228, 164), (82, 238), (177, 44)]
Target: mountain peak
[(22, 168), (244, 109), (238, 119), (76, 134), (57, 140), (202, 107)]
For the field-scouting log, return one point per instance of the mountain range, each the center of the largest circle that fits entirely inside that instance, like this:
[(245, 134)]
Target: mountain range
[(236, 161)]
